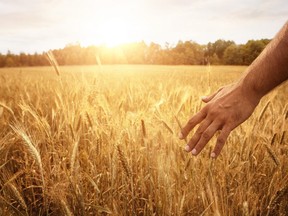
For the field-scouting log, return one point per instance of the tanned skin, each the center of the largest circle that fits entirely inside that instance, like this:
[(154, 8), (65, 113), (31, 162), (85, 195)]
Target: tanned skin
[(233, 104)]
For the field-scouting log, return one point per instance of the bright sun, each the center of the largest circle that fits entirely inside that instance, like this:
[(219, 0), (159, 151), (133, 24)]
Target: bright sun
[(108, 29)]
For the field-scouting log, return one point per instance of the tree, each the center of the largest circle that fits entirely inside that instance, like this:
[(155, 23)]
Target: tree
[(153, 53), (188, 53), (233, 55), (218, 48), (252, 49)]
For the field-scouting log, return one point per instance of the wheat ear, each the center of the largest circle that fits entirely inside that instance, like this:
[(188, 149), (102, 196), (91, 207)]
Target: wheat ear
[(124, 162), (30, 147), (53, 62), (73, 156)]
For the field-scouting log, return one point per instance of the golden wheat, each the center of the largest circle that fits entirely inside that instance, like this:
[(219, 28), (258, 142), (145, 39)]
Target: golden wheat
[(65, 142)]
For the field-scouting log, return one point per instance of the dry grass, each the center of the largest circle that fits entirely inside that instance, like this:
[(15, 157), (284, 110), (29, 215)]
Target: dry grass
[(103, 141)]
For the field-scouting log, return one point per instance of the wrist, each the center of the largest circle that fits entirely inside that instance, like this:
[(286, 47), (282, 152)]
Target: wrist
[(250, 90)]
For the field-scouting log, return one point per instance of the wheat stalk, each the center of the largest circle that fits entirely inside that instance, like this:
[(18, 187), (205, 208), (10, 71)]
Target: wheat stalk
[(275, 204), (7, 108), (180, 126), (273, 138), (79, 123), (245, 208), (53, 62), (1, 111), (89, 120), (30, 147), (144, 133), (34, 153), (66, 208), (72, 132), (167, 127), (282, 137), (124, 162), (263, 110), (272, 155), (18, 195), (73, 156)]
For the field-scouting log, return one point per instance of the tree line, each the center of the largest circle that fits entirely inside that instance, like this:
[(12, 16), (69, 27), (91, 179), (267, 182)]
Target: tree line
[(221, 52)]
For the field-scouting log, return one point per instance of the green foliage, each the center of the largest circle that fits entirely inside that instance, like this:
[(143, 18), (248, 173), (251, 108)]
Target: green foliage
[(215, 51), (184, 53), (233, 55)]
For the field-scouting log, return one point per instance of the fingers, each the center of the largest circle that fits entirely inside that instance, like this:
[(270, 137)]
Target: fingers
[(200, 116), (197, 136), (204, 138), (220, 142)]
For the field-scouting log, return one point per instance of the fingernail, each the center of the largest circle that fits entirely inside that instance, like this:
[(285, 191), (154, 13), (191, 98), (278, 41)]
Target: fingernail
[(194, 152), (213, 155), (203, 97), (187, 148), (180, 135)]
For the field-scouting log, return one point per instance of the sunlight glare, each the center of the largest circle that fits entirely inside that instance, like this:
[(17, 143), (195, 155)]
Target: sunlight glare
[(110, 29)]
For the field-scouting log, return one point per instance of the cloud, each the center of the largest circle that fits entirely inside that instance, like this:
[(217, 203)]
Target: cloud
[(17, 15), (54, 22)]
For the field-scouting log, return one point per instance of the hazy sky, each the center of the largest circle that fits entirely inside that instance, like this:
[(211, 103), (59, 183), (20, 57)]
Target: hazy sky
[(40, 25)]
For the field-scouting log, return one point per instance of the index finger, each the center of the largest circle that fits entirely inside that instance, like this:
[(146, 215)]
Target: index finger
[(196, 119)]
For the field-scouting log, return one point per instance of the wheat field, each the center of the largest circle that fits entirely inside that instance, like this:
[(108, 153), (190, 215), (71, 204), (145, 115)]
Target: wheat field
[(102, 140)]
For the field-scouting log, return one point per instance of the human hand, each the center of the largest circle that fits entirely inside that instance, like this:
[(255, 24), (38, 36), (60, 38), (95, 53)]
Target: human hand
[(225, 110)]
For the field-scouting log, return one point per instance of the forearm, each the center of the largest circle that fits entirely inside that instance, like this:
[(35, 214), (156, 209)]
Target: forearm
[(270, 68)]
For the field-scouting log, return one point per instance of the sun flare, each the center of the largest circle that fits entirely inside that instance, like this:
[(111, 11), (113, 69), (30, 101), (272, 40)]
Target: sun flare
[(110, 30)]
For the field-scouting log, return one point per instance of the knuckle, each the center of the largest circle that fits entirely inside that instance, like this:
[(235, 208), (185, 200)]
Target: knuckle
[(213, 112), (191, 121), (206, 135), (220, 141), (199, 132), (222, 120)]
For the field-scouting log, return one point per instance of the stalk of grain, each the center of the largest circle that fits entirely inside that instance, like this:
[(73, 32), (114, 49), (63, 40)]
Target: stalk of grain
[(42, 123), (167, 127), (273, 139), (79, 123), (72, 132), (16, 175), (30, 147), (209, 78), (73, 156), (272, 155), (282, 137), (188, 164), (50, 57), (277, 202), (1, 111), (182, 204), (17, 195), (180, 126), (124, 162), (89, 120), (271, 184), (92, 182), (143, 127), (245, 208), (35, 154), (98, 60), (7, 108), (263, 110), (66, 208)]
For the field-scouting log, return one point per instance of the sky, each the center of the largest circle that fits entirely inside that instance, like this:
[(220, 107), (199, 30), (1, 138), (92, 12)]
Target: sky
[(40, 25)]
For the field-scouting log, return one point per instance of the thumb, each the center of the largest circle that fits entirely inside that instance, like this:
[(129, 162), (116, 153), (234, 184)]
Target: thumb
[(206, 99)]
